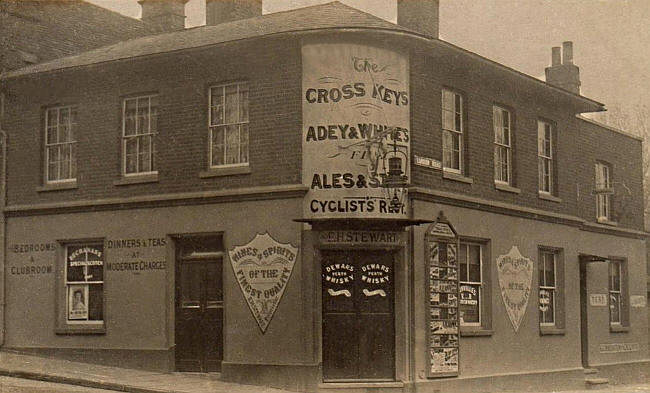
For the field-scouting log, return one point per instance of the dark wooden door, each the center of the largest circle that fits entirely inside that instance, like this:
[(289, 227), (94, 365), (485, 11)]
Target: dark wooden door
[(358, 317), (199, 315)]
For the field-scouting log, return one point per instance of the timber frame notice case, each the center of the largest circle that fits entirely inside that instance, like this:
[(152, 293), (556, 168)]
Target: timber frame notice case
[(443, 331)]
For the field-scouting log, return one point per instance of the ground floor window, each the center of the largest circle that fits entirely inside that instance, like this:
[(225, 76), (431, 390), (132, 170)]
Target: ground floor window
[(617, 287), (84, 283)]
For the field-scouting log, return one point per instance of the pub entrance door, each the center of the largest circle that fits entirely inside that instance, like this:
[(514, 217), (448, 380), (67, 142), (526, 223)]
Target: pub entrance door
[(358, 315), (199, 311)]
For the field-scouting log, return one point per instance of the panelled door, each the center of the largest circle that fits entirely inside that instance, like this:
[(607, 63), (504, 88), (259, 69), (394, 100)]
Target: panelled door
[(358, 315), (199, 315)]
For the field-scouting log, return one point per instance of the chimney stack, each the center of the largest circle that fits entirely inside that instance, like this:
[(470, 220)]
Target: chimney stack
[(419, 15), (224, 11), (565, 75), (164, 16)]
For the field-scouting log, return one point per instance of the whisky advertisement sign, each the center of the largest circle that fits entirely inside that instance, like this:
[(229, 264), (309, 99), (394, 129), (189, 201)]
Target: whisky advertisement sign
[(356, 104), (263, 268), (515, 279)]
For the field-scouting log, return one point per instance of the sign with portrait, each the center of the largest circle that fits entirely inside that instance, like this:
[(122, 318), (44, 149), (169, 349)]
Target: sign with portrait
[(355, 109), (77, 302), (515, 273), (262, 268)]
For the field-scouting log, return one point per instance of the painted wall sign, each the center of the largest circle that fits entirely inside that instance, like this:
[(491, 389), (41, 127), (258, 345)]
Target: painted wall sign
[(515, 278), (354, 96), (637, 301), (33, 247), (361, 237), (262, 269), (30, 270), (619, 347), (427, 162), (598, 299), (137, 255)]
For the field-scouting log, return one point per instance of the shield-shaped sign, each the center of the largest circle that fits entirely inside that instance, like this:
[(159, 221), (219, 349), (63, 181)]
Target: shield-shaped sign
[(263, 268), (515, 278)]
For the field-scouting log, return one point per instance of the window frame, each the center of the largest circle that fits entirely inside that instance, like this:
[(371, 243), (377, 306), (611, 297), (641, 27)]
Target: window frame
[(546, 157), (459, 133), (603, 191), (65, 326), (545, 285), (212, 127), (151, 135), (72, 124), (503, 146), (559, 314), (621, 292)]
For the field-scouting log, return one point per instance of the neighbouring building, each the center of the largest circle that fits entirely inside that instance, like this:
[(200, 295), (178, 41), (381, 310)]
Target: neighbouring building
[(321, 200)]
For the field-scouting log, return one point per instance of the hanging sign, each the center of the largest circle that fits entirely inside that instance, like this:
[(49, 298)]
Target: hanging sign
[(354, 97), (262, 269), (515, 278)]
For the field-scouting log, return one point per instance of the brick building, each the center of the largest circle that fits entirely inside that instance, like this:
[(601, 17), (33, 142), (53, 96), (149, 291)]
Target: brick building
[(232, 197)]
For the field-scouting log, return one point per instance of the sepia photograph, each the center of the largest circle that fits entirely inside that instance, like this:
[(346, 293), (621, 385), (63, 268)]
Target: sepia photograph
[(377, 196)]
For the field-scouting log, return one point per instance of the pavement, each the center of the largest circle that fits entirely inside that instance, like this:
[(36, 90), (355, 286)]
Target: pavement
[(18, 365), (48, 369)]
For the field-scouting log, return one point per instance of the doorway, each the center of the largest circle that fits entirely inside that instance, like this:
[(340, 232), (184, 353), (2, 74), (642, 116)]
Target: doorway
[(199, 306), (358, 315)]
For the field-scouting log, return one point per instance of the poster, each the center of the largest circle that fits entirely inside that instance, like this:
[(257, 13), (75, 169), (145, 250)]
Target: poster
[(263, 268), (77, 302), (354, 97), (515, 279)]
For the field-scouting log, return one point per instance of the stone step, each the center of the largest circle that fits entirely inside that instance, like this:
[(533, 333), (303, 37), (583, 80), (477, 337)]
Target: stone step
[(597, 383), (591, 371)]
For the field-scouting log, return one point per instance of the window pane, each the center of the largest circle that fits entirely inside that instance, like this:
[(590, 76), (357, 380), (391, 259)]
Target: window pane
[(546, 306), (232, 144), (243, 143), (131, 155), (243, 102), (154, 114), (615, 307), (216, 114), (231, 106), (214, 292), (191, 278), (95, 302), (130, 112), (448, 100), (462, 260), (469, 307), (218, 146), (549, 271), (474, 263), (447, 120)]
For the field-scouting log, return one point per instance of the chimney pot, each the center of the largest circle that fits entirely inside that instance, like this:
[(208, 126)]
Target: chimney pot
[(419, 15), (567, 52), (163, 15), (555, 56)]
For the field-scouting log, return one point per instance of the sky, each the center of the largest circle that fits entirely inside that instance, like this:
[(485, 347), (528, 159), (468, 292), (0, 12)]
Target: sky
[(611, 38)]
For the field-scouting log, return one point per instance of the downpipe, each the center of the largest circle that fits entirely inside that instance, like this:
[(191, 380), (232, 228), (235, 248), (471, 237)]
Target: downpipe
[(3, 220)]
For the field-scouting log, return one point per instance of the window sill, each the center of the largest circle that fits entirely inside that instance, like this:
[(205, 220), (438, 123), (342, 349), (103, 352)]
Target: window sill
[(81, 330), (551, 331), (506, 187), (68, 185), (475, 331), (619, 329), (548, 197), (457, 177), (137, 179), (226, 171), (607, 222)]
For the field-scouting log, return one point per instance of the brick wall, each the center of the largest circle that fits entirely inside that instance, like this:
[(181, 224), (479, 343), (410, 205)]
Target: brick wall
[(182, 82), (51, 29)]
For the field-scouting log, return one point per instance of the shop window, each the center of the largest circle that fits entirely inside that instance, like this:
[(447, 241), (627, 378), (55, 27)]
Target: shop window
[(551, 296), (545, 157), (228, 125), (603, 191), (139, 130), (618, 312), (502, 146), (81, 299), (452, 131), (60, 144), (474, 294)]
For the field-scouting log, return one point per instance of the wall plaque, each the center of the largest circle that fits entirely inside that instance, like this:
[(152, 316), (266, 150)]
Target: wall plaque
[(619, 347), (598, 299), (263, 268), (515, 279), (637, 301), (350, 237)]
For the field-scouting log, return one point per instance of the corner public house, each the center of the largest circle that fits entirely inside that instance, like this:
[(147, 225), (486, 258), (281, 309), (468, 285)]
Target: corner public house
[(220, 199)]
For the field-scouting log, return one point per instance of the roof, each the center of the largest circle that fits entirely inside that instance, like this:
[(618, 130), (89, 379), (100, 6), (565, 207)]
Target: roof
[(609, 128), (334, 15)]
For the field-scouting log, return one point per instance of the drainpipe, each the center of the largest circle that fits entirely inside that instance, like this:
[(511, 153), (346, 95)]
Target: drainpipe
[(3, 221)]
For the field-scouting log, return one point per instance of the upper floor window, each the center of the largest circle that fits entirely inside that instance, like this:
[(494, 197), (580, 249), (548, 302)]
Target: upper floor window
[(545, 156), (603, 191), (60, 144), (139, 129), (228, 124), (502, 145), (452, 131)]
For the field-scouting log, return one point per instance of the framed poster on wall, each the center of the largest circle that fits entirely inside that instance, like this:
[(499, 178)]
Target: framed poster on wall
[(443, 334)]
